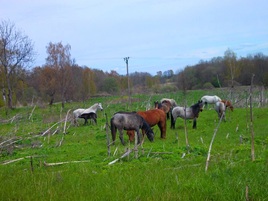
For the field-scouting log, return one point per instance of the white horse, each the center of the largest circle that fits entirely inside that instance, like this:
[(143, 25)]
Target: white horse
[(220, 108), (210, 100), (82, 113), (172, 101)]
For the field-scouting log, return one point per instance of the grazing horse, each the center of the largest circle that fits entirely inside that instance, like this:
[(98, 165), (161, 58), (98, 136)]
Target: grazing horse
[(210, 100), (152, 117), (165, 106), (220, 108), (129, 121), (187, 113), (84, 113), (172, 101), (228, 104)]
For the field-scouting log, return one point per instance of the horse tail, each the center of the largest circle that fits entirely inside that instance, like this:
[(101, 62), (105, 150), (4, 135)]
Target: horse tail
[(194, 123), (113, 129), (172, 126)]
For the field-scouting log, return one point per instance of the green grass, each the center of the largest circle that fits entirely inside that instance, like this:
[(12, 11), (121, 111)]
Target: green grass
[(159, 173)]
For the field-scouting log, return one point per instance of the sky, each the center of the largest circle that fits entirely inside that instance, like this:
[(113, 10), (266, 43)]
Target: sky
[(156, 35)]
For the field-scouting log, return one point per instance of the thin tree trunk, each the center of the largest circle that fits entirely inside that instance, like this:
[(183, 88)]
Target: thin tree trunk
[(9, 98)]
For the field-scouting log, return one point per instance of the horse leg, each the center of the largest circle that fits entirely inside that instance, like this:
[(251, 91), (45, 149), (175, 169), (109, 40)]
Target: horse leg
[(95, 120), (162, 126), (138, 136), (173, 122), (131, 135), (121, 136), (194, 123), (86, 122), (113, 132)]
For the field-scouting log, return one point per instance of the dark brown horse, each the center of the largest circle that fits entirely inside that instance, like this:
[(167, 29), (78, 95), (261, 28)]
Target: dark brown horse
[(165, 105), (152, 117)]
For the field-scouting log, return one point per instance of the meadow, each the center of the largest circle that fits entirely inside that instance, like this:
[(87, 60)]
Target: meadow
[(45, 159)]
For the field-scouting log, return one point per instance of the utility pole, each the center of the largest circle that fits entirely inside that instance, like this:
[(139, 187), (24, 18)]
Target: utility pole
[(126, 60)]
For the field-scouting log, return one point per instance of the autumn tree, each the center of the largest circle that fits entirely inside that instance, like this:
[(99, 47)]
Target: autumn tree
[(59, 58), (16, 53), (48, 82)]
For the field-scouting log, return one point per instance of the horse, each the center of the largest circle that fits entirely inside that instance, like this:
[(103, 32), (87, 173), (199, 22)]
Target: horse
[(228, 104), (129, 121), (220, 108), (210, 100), (82, 113), (172, 101), (187, 113), (91, 115), (152, 117), (165, 106)]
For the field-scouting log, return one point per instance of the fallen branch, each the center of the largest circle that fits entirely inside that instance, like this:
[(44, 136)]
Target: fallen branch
[(13, 142), (51, 127), (66, 118), (32, 112), (61, 163), (15, 160), (123, 156)]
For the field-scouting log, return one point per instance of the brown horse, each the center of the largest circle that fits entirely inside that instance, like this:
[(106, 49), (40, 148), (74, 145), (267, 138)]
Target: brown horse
[(165, 105), (152, 117), (228, 104)]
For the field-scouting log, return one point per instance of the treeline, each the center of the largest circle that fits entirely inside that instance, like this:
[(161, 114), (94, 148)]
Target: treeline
[(76, 83), (227, 71), (61, 79)]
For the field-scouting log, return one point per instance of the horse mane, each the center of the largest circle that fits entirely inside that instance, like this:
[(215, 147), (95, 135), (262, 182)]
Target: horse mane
[(146, 127), (196, 108)]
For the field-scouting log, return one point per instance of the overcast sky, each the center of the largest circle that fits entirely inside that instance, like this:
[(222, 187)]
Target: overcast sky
[(157, 35)]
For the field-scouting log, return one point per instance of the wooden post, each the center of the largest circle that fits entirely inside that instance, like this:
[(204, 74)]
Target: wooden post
[(251, 122), (128, 85), (211, 143), (107, 136)]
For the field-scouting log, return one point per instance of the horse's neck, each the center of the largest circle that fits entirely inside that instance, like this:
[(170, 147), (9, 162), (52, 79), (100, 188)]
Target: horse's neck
[(145, 127)]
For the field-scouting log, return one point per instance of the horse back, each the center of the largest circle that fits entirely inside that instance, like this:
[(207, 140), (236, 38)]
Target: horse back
[(153, 117)]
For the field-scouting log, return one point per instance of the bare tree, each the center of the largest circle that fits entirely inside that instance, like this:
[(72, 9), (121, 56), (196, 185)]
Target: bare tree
[(16, 53)]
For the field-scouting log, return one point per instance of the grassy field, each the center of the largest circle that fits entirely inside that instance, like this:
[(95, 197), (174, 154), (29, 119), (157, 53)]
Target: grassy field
[(75, 165)]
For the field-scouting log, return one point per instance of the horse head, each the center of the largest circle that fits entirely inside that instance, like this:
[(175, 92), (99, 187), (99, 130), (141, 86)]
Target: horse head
[(100, 107), (148, 130), (201, 105)]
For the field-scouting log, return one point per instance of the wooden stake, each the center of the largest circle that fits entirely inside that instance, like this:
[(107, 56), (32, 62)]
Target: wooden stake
[(210, 146)]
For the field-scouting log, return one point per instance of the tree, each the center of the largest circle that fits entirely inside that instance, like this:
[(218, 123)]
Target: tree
[(59, 58), (110, 85), (231, 63), (48, 82), (16, 53)]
